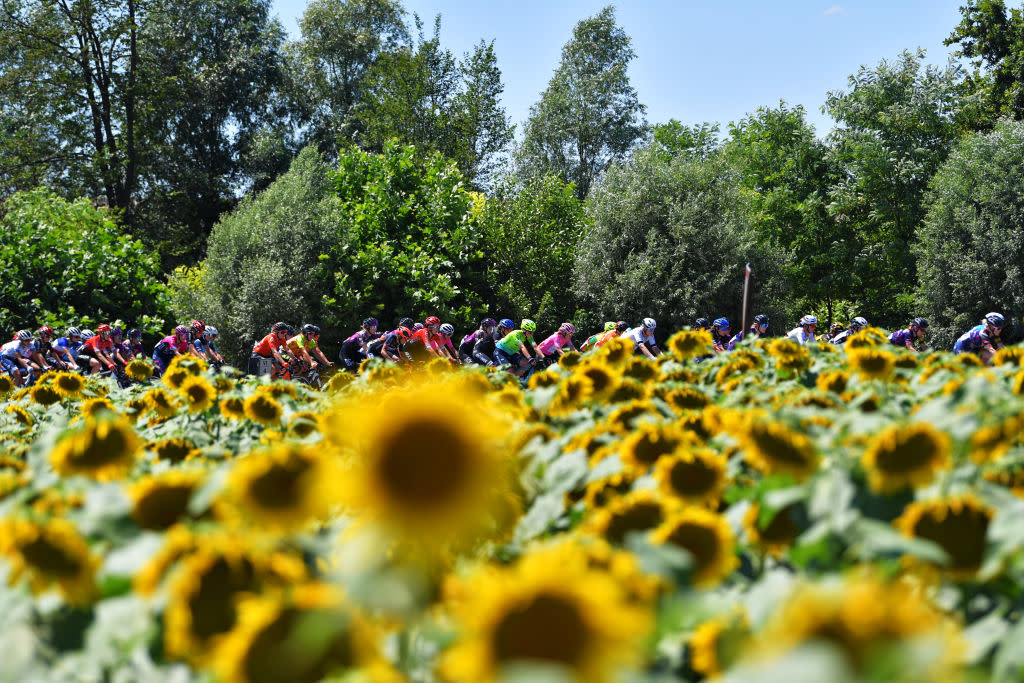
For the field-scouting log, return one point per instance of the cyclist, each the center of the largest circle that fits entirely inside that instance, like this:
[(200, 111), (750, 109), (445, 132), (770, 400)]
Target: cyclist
[(483, 350), (196, 345), (758, 330), (210, 340), (389, 345), (175, 344), (702, 324), (131, 347), (67, 347), (354, 349), (643, 337), (558, 341), (424, 342), (16, 357), (834, 330), (46, 355), (305, 347), (97, 351), (982, 339), (592, 339), (468, 342), (804, 334), (856, 325), (720, 334), (444, 343), (513, 350), (270, 349), (908, 337), (621, 328)]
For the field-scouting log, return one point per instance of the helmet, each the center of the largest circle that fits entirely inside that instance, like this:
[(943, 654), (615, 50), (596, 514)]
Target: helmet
[(310, 329), (702, 323), (103, 328), (24, 335), (74, 332), (368, 322), (137, 334), (922, 323), (87, 333), (488, 322), (507, 324), (621, 326), (609, 326), (528, 325), (198, 326), (721, 324), (808, 320), (46, 330), (567, 329), (761, 319), (418, 326), (432, 321), (209, 333), (280, 326), (995, 319), (403, 333), (649, 323), (182, 330), (447, 329), (406, 322), (860, 323), (117, 332), (836, 328)]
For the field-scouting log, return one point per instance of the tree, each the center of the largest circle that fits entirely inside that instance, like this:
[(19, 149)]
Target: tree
[(785, 173), (341, 41), (675, 137), (589, 115), (971, 249), (897, 123), (994, 41)]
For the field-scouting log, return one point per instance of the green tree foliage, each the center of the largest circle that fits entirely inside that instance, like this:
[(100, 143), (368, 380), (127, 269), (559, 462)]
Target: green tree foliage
[(785, 173), (675, 137), (386, 235), (897, 122), (421, 95), (69, 263), (669, 238), (993, 39), (971, 251), (589, 115), (531, 229)]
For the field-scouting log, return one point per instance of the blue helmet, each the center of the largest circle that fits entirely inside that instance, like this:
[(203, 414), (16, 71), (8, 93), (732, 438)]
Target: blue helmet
[(507, 324), (808, 320), (995, 319), (721, 324)]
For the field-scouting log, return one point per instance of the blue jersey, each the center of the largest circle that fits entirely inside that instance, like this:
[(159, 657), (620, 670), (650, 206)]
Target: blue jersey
[(901, 337), (71, 346), (199, 345), (975, 339)]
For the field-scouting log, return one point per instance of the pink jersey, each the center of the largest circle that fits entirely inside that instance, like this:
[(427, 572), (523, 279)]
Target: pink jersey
[(555, 341)]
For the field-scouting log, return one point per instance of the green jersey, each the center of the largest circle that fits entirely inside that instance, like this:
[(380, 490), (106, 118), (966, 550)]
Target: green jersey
[(301, 341), (511, 341)]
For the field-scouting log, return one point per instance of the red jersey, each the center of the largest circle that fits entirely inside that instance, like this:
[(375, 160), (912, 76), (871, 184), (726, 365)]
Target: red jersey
[(266, 346), (93, 344)]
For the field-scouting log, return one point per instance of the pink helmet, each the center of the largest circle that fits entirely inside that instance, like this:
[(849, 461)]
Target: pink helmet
[(567, 329)]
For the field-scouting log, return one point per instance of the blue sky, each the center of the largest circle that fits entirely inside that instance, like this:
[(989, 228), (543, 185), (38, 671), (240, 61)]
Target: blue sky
[(696, 61)]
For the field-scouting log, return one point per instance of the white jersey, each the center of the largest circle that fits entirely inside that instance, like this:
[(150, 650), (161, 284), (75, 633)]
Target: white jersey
[(801, 336), (638, 337), (13, 349)]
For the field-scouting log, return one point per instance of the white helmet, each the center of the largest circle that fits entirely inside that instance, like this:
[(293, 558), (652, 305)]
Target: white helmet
[(650, 324)]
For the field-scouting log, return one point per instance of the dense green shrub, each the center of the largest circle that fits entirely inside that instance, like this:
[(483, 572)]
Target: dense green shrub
[(69, 263)]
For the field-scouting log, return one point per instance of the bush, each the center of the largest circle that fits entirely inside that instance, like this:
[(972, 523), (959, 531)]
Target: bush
[(70, 263)]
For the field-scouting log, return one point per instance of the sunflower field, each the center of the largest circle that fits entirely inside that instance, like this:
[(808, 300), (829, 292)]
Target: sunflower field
[(777, 513)]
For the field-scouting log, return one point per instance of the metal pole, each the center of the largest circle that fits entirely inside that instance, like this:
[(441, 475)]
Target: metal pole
[(746, 291)]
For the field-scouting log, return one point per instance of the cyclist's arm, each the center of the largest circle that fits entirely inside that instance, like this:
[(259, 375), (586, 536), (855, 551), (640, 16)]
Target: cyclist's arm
[(643, 347), (318, 352)]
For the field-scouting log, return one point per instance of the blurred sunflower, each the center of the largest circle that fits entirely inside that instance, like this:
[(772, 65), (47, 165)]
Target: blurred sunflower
[(102, 448), (676, 373), (869, 337), (906, 456), (550, 608), (601, 491), (635, 512), (139, 370), (687, 398), (45, 395), (67, 384), (23, 417), (1011, 478), (232, 407), (339, 381), (134, 407), (262, 408), (616, 351), (173, 450), (989, 443), (702, 426), (94, 407), (650, 441), (641, 369), (1018, 384), (834, 381), (696, 476), (198, 393), (625, 417), (224, 384), (774, 448), (174, 376), (283, 488), (627, 390), (602, 378), (11, 481), (304, 423), (708, 539), (774, 536), (278, 389), (687, 344), (959, 525), (968, 360), (159, 501), (733, 369), (271, 641), (573, 392), (6, 384), (50, 552), (639, 587), (789, 355), (570, 359), (872, 363), (161, 402), (906, 361), (545, 378), (716, 644)]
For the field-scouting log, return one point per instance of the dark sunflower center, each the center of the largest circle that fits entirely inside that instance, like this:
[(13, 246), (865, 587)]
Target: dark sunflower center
[(50, 559), (547, 629), (689, 400), (908, 455), (599, 378), (162, 506), (174, 451), (300, 646), (100, 450), (652, 446), (637, 517), (778, 449), (781, 529), (279, 486), (692, 478), (425, 463), (960, 534), (213, 605), (698, 540)]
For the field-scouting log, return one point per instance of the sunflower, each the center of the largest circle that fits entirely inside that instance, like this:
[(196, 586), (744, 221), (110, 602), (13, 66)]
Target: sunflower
[(139, 370), (774, 448), (626, 416), (650, 441), (906, 456), (50, 552), (272, 642), (339, 381), (102, 448), (716, 644), (159, 501), (959, 525), (45, 395), (1018, 384), (602, 378), (278, 389), (21, 415), (731, 369), (174, 376), (869, 337), (687, 344), (906, 361), (573, 392), (161, 402), (173, 450), (303, 424), (635, 512), (871, 363), (262, 408), (550, 608), (602, 491), (1012, 479), (6, 384), (687, 398), (865, 620), (639, 587), (67, 384), (616, 351), (421, 468), (232, 407), (695, 476), (708, 539), (94, 407), (283, 488), (991, 442), (968, 360), (641, 369), (789, 355), (834, 381), (570, 359), (198, 392), (773, 536), (11, 481), (674, 373), (627, 390)]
